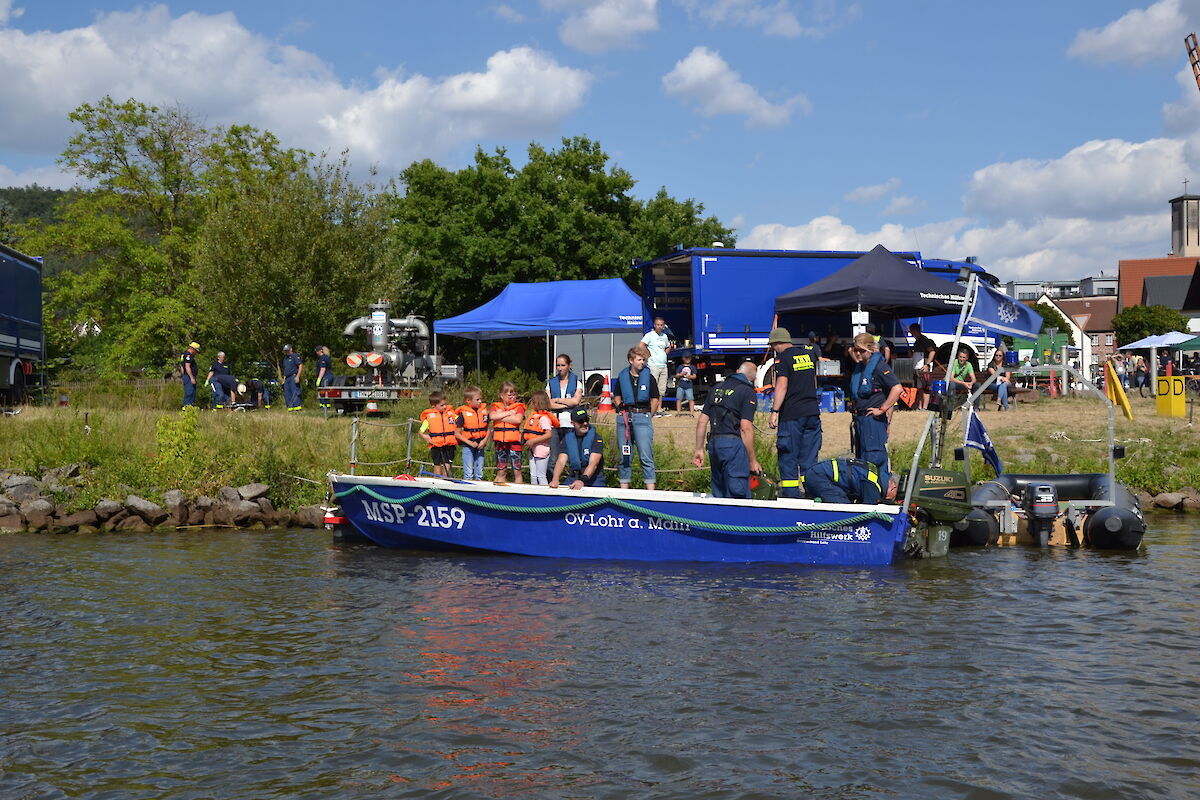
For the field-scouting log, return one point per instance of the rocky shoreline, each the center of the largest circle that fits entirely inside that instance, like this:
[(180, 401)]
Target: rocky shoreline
[(33, 505), (29, 504)]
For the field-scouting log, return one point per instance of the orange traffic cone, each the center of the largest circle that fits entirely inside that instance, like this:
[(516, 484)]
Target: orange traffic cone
[(605, 398)]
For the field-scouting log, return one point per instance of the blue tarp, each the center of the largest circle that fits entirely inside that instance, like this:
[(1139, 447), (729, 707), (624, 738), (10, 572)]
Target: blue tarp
[(560, 307)]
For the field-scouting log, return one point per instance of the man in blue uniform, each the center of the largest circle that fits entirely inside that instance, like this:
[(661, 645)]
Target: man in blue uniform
[(795, 409), (219, 388), (187, 363), (292, 369), (728, 421), (582, 456), (324, 373), (874, 389), (848, 480)]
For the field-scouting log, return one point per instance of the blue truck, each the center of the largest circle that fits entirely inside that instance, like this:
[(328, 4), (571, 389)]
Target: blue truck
[(22, 341), (719, 302)]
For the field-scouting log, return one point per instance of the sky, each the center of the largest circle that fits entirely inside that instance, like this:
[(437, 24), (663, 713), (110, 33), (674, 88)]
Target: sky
[(1044, 138)]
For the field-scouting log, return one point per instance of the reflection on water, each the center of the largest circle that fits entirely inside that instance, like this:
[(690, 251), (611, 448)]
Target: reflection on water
[(282, 665)]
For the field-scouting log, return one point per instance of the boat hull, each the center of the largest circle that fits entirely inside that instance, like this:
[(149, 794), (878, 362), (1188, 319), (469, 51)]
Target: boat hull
[(616, 524)]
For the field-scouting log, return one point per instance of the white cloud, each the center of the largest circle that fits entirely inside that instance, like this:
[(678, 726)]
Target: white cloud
[(596, 26), (7, 11), (508, 13), (903, 204), (1139, 36), (706, 82), (1102, 179), (213, 66), (777, 18), (51, 177), (872, 193)]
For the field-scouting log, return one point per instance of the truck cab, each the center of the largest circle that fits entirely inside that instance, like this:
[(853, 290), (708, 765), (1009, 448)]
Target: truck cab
[(22, 341)]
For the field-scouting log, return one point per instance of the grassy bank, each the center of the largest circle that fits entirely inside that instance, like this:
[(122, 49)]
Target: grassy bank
[(134, 446)]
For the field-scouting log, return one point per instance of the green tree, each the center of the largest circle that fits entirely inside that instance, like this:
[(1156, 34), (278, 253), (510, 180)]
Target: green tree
[(1052, 318), (290, 250), (1138, 322), (119, 253), (567, 214)]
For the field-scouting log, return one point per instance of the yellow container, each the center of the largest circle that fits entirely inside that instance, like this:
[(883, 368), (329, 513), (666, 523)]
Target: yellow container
[(1172, 399)]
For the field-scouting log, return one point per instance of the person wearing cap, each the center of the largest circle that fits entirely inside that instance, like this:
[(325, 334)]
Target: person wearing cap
[(324, 373), (187, 363), (582, 456), (219, 367), (795, 409), (728, 422), (293, 367)]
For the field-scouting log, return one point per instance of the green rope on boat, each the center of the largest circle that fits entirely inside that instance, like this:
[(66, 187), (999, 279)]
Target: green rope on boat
[(622, 504)]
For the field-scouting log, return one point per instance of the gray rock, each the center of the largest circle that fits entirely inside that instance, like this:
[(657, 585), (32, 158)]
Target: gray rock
[(23, 492), (8, 507), (311, 516), (152, 513), (62, 473), (79, 519), (228, 494), (173, 498), (196, 517), (107, 508), (219, 515), (1191, 493), (87, 529), (203, 502), (1169, 500), (1144, 500), (1191, 504), (268, 509), (16, 480), (39, 505), (178, 516), (116, 519), (38, 521), (133, 524), (253, 491), (12, 523), (284, 519), (245, 512)]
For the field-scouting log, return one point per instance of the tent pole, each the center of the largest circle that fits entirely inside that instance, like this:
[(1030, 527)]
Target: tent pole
[(612, 346), (549, 363), (478, 366), (583, 360)]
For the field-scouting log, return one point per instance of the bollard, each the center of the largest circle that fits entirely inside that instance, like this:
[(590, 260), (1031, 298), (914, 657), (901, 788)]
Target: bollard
[(63, 400)]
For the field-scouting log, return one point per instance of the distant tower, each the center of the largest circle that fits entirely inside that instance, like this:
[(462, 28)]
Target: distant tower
[(1185, 225)]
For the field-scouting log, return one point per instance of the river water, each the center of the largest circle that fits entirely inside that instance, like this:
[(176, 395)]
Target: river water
[(281, 665)]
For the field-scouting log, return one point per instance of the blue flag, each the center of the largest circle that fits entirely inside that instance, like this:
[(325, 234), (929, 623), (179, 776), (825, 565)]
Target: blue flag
[(978, 438), (1000, 312)]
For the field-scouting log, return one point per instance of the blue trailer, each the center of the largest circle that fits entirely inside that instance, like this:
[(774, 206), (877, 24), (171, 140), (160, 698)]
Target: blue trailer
[(22, 341), (719, 302)]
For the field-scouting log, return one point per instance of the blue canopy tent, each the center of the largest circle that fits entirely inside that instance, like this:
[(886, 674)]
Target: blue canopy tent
[(553, 307)]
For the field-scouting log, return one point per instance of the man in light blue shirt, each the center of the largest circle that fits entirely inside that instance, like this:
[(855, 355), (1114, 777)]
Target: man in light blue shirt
[(658, 344)]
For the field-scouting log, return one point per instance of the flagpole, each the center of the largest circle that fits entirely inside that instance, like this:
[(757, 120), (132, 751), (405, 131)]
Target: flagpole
[(968, 302)]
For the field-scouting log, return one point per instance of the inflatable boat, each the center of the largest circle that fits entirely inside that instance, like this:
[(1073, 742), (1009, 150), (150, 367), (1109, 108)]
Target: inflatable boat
[(1085, 510)]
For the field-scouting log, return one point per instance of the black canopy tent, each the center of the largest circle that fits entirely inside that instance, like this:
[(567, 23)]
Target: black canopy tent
[(878, 281)]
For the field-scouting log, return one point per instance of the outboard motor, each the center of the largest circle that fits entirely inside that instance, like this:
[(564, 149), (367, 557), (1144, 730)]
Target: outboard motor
[(1040, 503)]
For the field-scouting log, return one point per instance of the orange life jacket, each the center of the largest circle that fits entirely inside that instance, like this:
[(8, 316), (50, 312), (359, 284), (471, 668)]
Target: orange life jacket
[(506, 432), (473, 422), (441, 427), (533, 425)]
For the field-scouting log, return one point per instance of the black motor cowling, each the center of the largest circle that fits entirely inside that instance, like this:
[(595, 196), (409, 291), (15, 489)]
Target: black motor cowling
[(1040, 504)]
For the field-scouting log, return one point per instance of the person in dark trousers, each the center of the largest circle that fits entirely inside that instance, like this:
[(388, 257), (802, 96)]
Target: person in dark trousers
[(795, 409), (924, 353), (874, 389), (848, 480), (228, 387), (582, 456), (187, 363), (219, 368), (293, 367), (324, 372), (728, 423), (257, 394)]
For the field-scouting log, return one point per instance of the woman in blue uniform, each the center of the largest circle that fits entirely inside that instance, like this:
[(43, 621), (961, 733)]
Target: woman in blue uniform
[(874, 389)]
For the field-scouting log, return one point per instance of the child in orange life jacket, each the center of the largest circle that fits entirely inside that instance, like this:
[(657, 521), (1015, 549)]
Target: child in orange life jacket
[(438, 429), (472, 432), (506, 416), (535, 435)]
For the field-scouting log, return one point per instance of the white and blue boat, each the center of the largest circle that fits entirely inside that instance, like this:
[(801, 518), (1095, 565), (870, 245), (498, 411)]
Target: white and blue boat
[(441, 514)]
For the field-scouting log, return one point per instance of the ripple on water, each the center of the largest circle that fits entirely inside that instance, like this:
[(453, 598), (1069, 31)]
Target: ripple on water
[(277, 665)]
